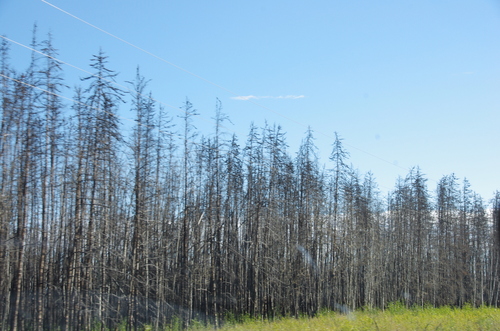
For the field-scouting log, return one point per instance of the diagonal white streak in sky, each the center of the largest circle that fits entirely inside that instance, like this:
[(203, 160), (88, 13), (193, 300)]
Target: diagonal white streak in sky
[(248, 97)]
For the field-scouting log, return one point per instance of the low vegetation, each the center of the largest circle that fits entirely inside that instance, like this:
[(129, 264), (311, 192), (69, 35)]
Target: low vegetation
[(395, 317)]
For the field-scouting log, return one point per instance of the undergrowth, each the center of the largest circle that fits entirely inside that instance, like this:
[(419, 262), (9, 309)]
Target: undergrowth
[(395, 317)]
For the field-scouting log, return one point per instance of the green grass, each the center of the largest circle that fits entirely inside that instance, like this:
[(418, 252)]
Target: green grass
[(396, 317)]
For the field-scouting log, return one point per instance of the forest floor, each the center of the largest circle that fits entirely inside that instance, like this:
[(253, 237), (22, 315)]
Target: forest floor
[(396, 317)]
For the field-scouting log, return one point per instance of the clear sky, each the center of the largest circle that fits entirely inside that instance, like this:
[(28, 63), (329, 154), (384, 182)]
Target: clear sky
[(405, 83)]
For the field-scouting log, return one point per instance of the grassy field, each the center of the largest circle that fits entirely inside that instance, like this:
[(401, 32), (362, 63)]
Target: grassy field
[(396, 317)]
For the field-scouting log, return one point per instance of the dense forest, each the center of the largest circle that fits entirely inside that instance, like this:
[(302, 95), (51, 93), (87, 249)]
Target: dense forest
[(98, 227)]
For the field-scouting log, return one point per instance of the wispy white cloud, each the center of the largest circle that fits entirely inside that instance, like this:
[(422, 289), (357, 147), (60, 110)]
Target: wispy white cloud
[(249, 97), (244, 97), (290, 97)]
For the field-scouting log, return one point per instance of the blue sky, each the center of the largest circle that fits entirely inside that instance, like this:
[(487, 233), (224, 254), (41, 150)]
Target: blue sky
[(405, 83)]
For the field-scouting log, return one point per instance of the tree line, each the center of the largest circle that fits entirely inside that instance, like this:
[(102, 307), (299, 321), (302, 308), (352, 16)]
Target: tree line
[(99, 228)]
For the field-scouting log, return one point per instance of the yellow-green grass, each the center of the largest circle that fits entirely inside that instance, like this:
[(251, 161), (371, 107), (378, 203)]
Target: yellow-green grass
[(396, 317)]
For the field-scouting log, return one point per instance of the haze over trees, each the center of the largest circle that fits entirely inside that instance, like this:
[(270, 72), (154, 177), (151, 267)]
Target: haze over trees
[(101, 227)]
